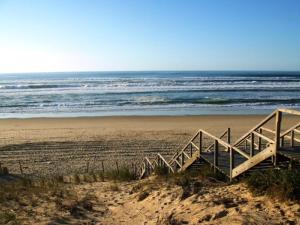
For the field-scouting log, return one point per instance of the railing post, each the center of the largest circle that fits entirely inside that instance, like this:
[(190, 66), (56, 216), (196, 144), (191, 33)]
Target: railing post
[(231, 163), (277, 134), (216, 154), (200, 142), (182, 159), (252, 145), (292, 138), (228, 135), (259, 140), (191, 150)]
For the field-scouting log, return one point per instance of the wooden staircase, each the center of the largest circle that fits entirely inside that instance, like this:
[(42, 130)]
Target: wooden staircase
[(261, 147)]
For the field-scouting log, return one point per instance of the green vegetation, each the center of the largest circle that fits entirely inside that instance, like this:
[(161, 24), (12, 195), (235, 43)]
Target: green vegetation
[(8, 218), (281, 184)]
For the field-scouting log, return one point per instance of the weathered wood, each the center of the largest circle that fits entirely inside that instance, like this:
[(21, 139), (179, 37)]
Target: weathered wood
[(216, 151), (263, 137), (268, 130), (263, 122), (297, 131), (228, 135), (259, 140), (190, 161), (226, 144), (165, 162), (194, 145), (252, 145), (290, 111), (277, 134), (255, 145), (292, 138), (259, 157), (186, 155), (289, 130), (289, 137), (231, 163)]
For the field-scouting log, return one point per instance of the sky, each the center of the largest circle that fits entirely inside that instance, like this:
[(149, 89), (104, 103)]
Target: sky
[(87, 35)]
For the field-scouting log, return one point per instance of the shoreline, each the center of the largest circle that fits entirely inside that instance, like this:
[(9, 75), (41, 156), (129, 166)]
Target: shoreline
[(63, 145)]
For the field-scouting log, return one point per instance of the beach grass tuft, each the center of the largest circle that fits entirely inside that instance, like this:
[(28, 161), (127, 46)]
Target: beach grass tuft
[(282, 184)]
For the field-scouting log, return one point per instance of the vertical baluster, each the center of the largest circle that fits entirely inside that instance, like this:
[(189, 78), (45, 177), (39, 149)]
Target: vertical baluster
[(228, 135), (231, 161), (277, 134), (216, 145), (252, 145), (259, 140), (292, 138), (201, 142)]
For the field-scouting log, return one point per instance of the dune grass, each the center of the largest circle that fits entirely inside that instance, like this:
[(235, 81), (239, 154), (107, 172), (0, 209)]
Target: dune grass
[(282, 184)]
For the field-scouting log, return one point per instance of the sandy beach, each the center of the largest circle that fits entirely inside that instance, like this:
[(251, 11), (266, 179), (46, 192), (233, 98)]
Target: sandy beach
[(66, 145)]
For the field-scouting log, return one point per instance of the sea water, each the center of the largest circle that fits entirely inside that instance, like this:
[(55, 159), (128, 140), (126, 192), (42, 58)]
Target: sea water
[(147, 93)]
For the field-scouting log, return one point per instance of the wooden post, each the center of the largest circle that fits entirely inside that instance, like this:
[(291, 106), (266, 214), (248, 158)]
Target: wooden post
[(117, 166), (102, 167), (21, 168), (182, 159), (200, 142), (282, 141), (292, 138), (216, 145), (259, 140), (87, 166), (252, 145), (277, 134), (191, 150), (228, 135), (231, 166)]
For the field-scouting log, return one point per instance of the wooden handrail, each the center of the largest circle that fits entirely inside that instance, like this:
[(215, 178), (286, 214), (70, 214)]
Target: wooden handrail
[(225, 144), (290, 111), (289, 130), (179, 152), (149, 162), (166, 163), (263, 122), (295, 139), (192, 143), (263, 137), (191, 140), (268, 130)]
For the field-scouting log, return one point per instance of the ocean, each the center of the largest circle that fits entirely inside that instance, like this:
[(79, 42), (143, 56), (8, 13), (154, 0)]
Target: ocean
[(72, 94)]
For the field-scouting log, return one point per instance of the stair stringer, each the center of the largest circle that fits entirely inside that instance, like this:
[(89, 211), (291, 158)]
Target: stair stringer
[(253, 161)]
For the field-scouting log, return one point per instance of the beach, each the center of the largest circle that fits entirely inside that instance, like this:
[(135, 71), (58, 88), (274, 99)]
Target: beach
[(47, 146)]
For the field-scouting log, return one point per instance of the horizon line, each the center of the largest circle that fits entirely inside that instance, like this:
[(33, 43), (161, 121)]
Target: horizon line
[(107, 71)]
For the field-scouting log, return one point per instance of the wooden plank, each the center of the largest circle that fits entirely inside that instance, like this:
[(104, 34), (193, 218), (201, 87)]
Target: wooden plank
[(268, 130), (225, 144), (179, 152), (256, 159), (192, 143), (289, 137), (216, 150), (290, 111), (186, 155), (263, 122), (149, 162), (263, 137), (190, 161), (289, 130), (165, 162), (256, 145), (297, 131)]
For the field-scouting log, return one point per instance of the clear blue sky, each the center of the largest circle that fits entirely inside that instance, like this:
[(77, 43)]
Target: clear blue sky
[(62, 35)]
